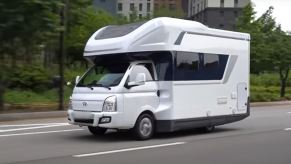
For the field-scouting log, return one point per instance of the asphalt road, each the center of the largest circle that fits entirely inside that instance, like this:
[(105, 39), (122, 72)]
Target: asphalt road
[(263, 138)]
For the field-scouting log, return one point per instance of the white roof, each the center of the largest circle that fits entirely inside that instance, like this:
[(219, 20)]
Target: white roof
[(155, 35)]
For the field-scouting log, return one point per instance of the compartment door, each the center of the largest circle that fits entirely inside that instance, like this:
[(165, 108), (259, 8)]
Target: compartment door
[(242, 96)]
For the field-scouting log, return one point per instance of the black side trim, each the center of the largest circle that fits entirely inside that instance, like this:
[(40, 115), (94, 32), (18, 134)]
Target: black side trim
[(87, 121), (180, 37), (175, 125)]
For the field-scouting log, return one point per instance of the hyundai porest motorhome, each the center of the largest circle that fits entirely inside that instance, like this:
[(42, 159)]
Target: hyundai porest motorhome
[(162, 75)]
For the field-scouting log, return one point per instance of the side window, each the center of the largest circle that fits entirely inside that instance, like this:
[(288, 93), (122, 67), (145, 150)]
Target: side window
[(210, 67), (187, 66), (199, 66), (140, 68)]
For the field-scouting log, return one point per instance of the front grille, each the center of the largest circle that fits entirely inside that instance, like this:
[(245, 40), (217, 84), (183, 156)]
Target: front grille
[(86, 121)]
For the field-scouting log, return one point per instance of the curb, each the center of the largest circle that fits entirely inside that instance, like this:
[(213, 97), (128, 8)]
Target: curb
[(56, 114), (265, 104), (32, 115)]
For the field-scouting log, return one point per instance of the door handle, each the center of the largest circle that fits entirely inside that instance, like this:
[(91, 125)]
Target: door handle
[(158, 93)]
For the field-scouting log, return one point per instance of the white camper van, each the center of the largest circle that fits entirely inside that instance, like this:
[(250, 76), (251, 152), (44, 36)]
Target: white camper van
[(162, 75)]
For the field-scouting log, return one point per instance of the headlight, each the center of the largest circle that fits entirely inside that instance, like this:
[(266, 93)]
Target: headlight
[(110, 104)]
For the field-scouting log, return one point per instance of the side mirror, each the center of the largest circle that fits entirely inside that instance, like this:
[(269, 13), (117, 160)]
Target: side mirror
[(77, 79), (139, 80), (69, 83)]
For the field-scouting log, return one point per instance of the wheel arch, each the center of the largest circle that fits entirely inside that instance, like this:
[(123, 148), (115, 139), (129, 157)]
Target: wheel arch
[(147, 112)]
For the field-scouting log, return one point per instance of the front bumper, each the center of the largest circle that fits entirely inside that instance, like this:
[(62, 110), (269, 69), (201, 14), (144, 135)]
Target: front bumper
[(87, 118)]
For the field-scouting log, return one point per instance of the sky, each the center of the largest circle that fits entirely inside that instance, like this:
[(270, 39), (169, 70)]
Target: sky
[(282, 11)]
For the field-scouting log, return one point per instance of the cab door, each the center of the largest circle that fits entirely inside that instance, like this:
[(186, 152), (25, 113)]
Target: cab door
[(140, 97)]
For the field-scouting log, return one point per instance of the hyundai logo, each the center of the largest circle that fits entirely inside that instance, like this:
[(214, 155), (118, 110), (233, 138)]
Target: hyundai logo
[(84, 103)]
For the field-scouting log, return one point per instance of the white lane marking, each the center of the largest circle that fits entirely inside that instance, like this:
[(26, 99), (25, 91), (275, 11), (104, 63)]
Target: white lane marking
[(25, 125), (289, 112), (24, 134), (129, 149), (36, 127), (287, 129)]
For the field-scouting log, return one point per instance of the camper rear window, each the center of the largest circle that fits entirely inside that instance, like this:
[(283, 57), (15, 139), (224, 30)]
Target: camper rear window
[(199, 66)]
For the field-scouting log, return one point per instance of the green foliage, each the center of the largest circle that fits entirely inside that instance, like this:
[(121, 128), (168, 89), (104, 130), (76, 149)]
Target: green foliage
[(30, 77), (71, 74), (269, 93), (267, 79), (90, 20), (133, 16), (27, 23), (17, 96), (266, 87)]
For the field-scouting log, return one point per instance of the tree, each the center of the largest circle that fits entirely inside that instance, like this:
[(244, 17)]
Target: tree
[(259, 48), (270, 46), (24, 26), (281, 57), (90, 21)]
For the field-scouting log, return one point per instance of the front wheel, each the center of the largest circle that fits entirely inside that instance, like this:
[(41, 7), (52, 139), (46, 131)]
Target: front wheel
[(144, 127), (97, 131)]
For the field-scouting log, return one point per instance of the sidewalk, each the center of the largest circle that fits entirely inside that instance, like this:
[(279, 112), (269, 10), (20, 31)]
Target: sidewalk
[(56, 114)]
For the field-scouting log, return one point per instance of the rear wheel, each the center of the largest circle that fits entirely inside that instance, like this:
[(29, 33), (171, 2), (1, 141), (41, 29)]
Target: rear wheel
[(144, 127), (208, 129), (97, 131)]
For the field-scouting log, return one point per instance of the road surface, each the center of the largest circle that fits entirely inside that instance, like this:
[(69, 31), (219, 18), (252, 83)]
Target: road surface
[(263, 138)]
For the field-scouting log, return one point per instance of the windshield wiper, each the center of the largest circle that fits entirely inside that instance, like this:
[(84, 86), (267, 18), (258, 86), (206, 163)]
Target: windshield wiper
[(97, 85), (104, 86)]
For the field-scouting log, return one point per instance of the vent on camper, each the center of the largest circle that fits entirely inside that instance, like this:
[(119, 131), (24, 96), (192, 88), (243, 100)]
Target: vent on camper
[(117, 31)]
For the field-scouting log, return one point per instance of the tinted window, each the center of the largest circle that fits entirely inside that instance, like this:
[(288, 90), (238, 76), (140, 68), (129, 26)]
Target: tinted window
[(148, 7), (119, 6), (187, 66), (199, 66)]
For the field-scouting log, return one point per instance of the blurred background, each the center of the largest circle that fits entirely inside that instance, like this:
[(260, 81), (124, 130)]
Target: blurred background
[(42, 43)]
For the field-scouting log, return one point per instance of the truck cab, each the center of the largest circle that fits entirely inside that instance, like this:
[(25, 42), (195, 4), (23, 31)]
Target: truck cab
[(113, 94)]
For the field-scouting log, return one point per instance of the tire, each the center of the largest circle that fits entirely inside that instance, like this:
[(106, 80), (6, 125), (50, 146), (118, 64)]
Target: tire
[(208, 129), (97, 131), (144, 127)]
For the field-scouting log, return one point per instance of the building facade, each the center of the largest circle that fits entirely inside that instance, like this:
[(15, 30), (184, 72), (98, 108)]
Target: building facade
[(172, 5), (221, 14), (142, 8)]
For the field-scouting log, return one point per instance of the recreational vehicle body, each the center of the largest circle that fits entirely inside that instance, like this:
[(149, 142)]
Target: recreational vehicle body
[(162, 75)]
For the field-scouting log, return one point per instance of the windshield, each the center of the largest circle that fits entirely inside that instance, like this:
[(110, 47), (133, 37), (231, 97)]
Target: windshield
[(103, 75)]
